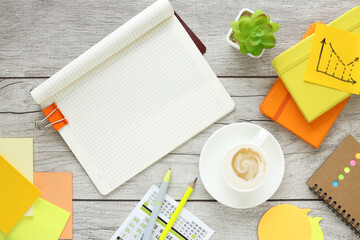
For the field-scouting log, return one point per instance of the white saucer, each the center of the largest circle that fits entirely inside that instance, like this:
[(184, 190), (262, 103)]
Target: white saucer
[(211, 159)]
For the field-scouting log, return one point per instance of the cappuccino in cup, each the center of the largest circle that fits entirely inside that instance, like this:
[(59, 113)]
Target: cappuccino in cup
[(245, 166)]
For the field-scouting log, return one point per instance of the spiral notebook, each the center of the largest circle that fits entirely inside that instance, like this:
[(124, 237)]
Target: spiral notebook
[(135, 96), (336, 182)]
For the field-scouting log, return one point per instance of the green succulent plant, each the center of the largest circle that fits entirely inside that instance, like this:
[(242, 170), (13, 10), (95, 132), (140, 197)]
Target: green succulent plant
[(255, 33)]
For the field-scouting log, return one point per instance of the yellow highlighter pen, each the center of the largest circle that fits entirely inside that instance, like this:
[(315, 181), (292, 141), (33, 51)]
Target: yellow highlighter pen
[(178, 210)]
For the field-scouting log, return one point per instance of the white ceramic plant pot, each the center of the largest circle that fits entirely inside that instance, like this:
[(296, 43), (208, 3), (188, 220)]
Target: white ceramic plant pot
[(230, 31)]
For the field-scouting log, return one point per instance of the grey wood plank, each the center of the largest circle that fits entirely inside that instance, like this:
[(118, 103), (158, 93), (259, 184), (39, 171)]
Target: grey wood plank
[(37, 38), (299, 167), (12, 89), (18, 112), (100, 220), (18, 106), (52, 154)]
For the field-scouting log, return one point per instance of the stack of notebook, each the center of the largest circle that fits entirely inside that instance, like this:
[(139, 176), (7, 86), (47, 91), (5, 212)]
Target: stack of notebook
[(32, 205), (306, 109)]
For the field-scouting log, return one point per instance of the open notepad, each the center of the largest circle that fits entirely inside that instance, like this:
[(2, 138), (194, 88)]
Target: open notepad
[(135, 96)]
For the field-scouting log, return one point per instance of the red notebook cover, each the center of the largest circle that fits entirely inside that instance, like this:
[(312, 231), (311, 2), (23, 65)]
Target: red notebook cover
[(279, 106), (196, 40)]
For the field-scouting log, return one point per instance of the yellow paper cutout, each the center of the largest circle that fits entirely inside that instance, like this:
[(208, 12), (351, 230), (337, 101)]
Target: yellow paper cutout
[(317, 233), (47, 223), (284, 222), (19, 152), (334, 59), (17, 195)]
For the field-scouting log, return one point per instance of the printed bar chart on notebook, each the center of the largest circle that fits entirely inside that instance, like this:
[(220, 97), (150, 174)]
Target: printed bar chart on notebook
[(135, 96)]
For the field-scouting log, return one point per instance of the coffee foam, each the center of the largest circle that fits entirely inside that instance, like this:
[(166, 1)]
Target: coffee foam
[(246, 163), (244, 167)]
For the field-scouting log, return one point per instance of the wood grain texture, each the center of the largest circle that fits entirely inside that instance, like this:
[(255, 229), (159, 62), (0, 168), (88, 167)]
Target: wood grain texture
[(229, 224), (40, 37), (19, 112)]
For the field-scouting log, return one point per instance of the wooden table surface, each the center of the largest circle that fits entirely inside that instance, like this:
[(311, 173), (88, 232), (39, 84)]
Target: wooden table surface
[(39, 37)]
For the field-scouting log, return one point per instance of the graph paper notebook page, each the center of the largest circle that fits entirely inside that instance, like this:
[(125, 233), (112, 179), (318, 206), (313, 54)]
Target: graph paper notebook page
[(186, 227), (135, 96)]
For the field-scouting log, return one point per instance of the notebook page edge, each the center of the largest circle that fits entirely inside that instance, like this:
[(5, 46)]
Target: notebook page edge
[(150, 17)]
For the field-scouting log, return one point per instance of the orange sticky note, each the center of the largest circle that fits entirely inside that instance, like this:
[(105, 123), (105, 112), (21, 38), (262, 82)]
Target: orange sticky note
[(57, 188), (284, 222), (17, 194)]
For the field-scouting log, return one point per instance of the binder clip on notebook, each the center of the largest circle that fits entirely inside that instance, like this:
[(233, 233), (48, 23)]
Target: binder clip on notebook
[(54, 116)]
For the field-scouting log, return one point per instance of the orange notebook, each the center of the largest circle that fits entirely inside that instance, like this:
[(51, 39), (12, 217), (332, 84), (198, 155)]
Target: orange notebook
[(279, 106)]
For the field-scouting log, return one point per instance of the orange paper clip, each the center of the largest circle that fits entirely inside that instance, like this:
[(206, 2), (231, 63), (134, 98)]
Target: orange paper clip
[(54, 116)]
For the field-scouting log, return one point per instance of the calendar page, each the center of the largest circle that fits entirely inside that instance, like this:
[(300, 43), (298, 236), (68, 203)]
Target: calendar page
[(186, 227)]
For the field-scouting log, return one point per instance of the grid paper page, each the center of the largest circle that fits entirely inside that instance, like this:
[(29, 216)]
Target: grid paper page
[(141, 104), (114, 42), (186, 227)]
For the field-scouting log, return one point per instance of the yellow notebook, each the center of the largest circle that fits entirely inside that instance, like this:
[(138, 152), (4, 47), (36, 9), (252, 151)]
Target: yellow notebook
[(17, 195), (313, 100)]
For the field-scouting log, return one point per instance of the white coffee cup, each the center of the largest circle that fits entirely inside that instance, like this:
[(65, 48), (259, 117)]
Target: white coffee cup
[(245, 166)]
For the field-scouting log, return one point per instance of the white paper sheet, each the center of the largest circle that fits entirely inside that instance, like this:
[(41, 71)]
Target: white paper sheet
[(186, 227)]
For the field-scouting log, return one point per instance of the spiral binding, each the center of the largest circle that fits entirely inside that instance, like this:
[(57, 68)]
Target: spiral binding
[(346, 218)]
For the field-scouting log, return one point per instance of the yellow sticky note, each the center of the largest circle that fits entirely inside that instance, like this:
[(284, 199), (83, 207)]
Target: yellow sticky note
[(20, 154), (317, 233), (47, 223), (284, 222), (17, 195), (334, 59)]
